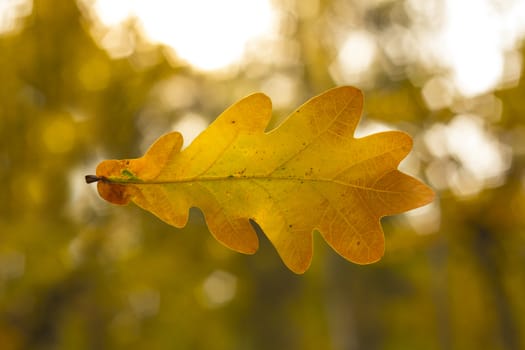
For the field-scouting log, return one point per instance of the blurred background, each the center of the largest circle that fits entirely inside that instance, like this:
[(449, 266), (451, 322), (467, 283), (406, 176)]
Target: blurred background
[(87, 80)]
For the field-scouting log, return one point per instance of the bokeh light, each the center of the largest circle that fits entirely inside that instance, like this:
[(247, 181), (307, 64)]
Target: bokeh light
[(468, 156), (209, 35), (11, 13), (88, 80), (355, 58), (472, 40)]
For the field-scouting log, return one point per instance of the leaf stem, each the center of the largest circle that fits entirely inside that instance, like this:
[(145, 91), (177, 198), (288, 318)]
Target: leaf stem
[(92, 178)]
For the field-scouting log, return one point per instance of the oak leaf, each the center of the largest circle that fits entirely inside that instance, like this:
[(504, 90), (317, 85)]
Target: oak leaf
[(307, 174)]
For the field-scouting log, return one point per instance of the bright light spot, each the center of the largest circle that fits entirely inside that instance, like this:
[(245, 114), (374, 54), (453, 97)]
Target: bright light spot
[(481, 159), (118, 41), (11, 11), (208, 34), (463, 184), (436, 140), (399, 44), (477, 149), (438, 93), (474, 45), (282, 89), (219, 288), (190, 126), (476, 41), (355, 57), (113, 12)]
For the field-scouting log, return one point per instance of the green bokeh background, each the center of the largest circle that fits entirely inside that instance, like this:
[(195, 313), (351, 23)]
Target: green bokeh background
[(79, 273)]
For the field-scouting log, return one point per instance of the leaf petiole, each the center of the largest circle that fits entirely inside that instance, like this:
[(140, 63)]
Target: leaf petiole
[(93, 178)]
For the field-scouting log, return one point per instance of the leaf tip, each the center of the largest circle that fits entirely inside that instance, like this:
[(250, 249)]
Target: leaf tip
[(299, 269), (350, 93), (167, 143), (427, 195)]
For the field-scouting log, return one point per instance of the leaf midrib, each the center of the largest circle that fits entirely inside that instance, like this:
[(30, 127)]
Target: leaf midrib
[(248, 178)]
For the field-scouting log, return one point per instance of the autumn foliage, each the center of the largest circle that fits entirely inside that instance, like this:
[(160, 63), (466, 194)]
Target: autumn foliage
[(307, 174)]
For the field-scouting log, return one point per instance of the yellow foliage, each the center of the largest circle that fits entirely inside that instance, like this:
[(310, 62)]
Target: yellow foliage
[(308, 174)]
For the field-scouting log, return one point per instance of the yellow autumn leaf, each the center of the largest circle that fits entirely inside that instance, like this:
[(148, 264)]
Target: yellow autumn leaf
[(308, 174)]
